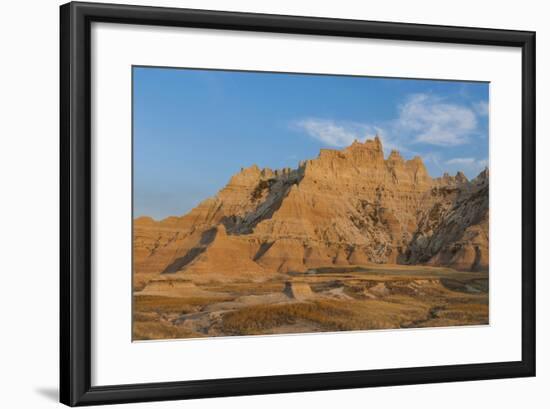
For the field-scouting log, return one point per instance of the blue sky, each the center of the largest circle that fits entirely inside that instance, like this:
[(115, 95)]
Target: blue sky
[(193, 129)]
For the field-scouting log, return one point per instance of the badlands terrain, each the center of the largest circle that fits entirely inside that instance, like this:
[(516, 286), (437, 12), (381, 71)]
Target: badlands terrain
[(350, 240)]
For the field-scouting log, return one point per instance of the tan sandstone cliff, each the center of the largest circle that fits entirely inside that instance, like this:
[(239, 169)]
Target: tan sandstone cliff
[(345, 208)]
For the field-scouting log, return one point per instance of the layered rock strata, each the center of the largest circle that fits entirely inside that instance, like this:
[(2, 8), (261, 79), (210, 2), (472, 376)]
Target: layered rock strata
[(347, 207)]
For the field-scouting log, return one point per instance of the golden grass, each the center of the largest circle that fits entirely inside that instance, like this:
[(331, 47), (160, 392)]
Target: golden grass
[(149, 330), (328, 315), (149, 310), (181, 305), (406, 302), (468, 313), (247, 288)]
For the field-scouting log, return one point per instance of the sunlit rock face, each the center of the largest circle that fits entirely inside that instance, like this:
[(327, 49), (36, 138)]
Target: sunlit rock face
[(346, 207)]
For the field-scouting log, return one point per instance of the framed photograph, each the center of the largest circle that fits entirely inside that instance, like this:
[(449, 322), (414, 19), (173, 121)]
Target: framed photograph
[(257, 204)]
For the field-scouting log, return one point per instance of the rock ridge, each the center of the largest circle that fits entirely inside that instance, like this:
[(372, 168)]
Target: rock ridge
[(346, 207)]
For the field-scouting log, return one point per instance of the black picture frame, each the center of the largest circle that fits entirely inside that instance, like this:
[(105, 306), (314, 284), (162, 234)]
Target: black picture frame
[(76, 199)]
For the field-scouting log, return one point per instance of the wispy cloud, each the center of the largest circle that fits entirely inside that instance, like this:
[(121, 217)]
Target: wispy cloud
[(422, 119), (481, 108), (425, 124), (461, 161), (338, 134), (342, 133), (435, 159), (429, 119), (469, 164)]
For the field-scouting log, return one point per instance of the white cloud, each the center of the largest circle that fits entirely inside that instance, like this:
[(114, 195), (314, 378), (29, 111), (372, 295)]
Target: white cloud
[(461, 161), (435, 159), (469, 165), (482, 108), (425, 124), (429, 119), (338, 134), (421, 119)]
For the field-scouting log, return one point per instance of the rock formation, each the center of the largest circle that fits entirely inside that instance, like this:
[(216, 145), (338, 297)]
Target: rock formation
[(345, 208)]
